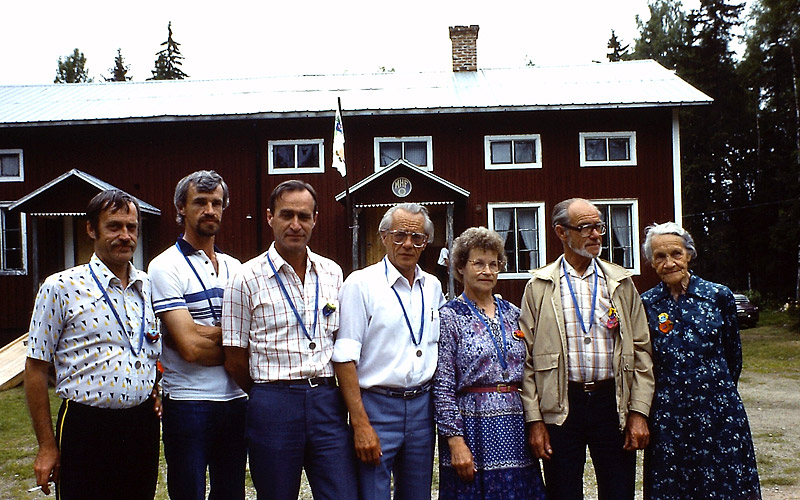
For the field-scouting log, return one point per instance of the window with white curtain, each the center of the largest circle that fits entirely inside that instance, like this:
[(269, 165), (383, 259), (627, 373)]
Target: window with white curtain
[(522, 227), (13, 257), (303, 156), (11, 165), (621, 242), (512, 151), (416, 150), (607, 149)]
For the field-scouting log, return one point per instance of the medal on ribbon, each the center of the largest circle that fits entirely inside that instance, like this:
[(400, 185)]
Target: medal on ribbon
[(329, 309), (518, 335)]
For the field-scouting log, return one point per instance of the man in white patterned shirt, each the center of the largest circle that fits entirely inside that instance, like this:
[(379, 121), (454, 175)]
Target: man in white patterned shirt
[(204, 409), (597, 393), (95, 322), (279, 317)]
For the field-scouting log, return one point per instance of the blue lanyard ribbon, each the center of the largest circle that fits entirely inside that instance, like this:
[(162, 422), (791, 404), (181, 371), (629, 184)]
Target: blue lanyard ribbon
[(586, 330), (116, 314), (205, 290), (501, 354), (414, 340), (291, 303)]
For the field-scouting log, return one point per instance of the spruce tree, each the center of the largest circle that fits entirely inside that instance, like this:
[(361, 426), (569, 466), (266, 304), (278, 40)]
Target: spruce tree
[(119, 73), (72, 69), (168, 62)]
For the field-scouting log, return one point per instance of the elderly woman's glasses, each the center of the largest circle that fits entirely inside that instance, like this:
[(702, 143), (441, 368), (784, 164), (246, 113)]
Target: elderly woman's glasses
[(399, 237), (586, 229), (480, 266)]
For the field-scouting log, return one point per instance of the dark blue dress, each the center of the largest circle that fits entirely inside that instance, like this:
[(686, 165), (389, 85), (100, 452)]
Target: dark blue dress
[(700, 444)]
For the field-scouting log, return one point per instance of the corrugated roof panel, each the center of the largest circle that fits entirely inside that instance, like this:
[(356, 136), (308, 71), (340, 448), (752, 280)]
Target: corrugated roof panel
[(622, 84)]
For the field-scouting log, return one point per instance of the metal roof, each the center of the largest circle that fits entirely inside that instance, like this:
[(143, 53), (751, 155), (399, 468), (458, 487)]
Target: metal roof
[(589, 86)]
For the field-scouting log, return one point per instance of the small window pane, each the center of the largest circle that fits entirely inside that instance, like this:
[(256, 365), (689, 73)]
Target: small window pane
[(283, 156), (9, 165), (11, 240), (417, 153), (390, 151), (501, 152), (524, 151), (308, 155), (619, 149), (595, 149)]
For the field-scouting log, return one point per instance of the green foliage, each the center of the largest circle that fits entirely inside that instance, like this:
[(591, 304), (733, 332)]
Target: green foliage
[(664, 36), (72, 69), (168, 62), (119, 73), (754, 296), (617, 51), (773, 346)]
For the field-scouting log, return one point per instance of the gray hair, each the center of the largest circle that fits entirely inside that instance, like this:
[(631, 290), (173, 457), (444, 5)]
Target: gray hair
[(204, 181), (561, 210), (667, 228), (412, 208), (481, 239)]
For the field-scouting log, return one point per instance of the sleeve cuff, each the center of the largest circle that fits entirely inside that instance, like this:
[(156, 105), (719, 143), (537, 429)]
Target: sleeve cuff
[(345, 350)]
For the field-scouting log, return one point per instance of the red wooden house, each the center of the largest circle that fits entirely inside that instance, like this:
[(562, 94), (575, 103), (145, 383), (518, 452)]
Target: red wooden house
[(494, 147)]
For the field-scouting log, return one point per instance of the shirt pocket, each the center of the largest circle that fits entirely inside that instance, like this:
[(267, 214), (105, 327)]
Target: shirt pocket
[(433, 316), (545, 368)]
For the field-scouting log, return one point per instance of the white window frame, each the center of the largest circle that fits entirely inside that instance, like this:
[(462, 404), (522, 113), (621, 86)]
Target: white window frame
[(487, 149), (635, 230), (319, 169), (419, 138), (24, 243), (541, 237), (16, 178), (630, 135)]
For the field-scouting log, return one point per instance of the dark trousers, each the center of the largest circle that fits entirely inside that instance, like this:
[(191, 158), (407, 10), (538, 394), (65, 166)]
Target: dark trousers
[(200, 436), (297, 427), (592, 422), (107, 453)]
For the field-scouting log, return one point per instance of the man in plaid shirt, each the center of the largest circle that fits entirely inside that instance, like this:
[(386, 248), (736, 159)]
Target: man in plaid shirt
[(279, 317)]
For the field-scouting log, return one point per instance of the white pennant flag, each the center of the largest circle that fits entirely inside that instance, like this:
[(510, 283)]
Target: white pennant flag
[(338, 144)]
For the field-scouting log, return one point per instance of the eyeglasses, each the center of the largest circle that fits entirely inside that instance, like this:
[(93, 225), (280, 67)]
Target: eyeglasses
[(478, 266), (586, 229), (417, 239)]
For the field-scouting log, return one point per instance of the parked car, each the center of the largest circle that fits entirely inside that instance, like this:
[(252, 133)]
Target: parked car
[(745, 311)]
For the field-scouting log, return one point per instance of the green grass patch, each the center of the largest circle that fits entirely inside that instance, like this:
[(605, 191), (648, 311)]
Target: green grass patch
[(773, 346)]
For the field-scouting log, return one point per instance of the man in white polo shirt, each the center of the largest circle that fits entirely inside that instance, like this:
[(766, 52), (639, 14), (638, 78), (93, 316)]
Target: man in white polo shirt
[(204, 409)]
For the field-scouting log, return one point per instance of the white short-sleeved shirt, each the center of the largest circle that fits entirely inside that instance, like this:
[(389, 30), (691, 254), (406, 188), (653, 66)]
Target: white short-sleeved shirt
[(97, 362), (175, 287), (374, 332), (257, 316)]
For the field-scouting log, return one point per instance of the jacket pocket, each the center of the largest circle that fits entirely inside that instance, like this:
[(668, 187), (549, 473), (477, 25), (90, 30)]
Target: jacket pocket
[(545, 367)]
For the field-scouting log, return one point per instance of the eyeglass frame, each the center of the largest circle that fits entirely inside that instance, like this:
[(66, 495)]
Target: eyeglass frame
[(407, 234), (601, 227), (485, 265)]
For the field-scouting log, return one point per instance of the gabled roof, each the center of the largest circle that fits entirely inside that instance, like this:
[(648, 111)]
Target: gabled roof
[(599, 85), (68, 194), (402, 164)]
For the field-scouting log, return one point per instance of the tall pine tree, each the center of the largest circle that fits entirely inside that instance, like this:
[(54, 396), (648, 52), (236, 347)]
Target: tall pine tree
[(168, 62), (119, 73), (72, 69)]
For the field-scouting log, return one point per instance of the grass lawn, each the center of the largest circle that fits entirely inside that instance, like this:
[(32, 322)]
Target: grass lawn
[(771, 371)]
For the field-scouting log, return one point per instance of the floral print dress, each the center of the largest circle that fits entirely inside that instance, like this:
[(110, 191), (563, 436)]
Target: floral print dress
[(700, 443), (492, 423)]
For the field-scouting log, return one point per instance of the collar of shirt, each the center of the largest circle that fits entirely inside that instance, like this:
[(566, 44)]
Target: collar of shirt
[(393, 275), (589, 270), (187, 249), (278, 261), (106, 277)]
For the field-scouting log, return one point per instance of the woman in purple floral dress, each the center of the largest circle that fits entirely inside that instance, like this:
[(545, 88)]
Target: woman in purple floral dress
[(483, 453), (700, 444)]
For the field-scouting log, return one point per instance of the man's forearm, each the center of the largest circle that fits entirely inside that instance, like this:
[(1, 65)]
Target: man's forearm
[(38, 399), (237, 364), (351, 392)]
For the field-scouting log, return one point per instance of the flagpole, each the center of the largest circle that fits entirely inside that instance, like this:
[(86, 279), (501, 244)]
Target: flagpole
[(349, 205)]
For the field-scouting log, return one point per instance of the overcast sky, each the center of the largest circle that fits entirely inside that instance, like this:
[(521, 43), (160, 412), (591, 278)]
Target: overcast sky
[(240, 39)]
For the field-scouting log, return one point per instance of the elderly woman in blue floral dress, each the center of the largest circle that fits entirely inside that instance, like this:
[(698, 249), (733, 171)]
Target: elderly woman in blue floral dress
[(482, 447), (700, 443)]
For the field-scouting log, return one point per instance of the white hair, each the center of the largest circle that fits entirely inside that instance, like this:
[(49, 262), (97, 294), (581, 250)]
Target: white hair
[(667, 228)]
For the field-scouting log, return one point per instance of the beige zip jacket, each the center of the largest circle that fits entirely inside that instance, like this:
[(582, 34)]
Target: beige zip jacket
[(544, 387)]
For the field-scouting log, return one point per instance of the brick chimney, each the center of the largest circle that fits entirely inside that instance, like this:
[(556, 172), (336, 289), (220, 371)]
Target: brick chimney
[(465, 47)]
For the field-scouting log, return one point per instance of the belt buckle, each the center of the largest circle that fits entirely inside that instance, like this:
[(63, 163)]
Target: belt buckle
[(410, 394), (588, 386), (311, 383), (503, 388)]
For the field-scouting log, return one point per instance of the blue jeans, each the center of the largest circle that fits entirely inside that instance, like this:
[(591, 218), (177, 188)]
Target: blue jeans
[(405, 428), (592, 422), (296, 427), (200, 435)]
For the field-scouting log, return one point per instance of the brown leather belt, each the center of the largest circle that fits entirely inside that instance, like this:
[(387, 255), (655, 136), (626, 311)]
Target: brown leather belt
[(493, 388), (599, 385)]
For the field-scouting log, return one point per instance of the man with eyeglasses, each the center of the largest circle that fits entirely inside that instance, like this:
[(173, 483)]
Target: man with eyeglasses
[(589, 373), (385, 357)]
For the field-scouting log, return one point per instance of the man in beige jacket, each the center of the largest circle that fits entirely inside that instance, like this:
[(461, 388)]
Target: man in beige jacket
[(589, 373)]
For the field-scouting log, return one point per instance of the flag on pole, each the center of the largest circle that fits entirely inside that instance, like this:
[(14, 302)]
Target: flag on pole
[(338, 144)]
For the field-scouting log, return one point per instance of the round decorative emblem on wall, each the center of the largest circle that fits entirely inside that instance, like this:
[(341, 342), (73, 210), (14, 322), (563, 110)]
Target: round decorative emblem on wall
[(401, 187)]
